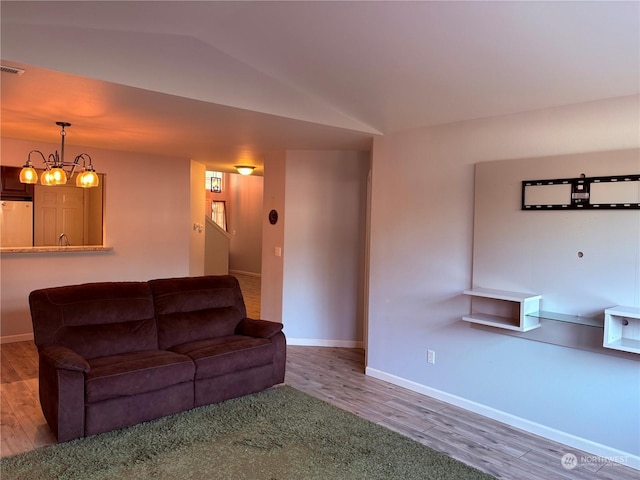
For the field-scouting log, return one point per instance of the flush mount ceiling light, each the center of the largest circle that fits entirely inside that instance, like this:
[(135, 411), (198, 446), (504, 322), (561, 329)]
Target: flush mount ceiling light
[(55, 173), (244, 169)]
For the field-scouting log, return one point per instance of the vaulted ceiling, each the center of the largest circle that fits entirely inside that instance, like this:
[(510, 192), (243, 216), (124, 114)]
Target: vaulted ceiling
[(226, 82)]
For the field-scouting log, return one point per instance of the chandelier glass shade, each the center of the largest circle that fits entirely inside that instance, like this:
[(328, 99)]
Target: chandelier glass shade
[(55, 173), (28, 174), (87, 178)]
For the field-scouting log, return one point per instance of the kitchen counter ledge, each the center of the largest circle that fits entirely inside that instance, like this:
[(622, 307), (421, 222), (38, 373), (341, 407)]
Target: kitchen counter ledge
[(84, 248)]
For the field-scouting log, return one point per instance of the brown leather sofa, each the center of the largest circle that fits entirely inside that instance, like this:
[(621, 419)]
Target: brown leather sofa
[(115, 354)]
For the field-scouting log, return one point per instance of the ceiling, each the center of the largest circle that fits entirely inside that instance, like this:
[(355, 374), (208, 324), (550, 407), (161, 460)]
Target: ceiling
[(227, 82)]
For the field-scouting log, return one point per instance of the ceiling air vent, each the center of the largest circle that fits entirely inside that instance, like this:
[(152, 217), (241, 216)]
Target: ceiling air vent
[(13, 70)]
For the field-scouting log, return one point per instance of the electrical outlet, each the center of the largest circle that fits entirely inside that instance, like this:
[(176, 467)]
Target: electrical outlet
[(431, 356)]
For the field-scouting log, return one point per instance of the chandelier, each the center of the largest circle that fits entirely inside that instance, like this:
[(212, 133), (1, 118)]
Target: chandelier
[(57, 170)]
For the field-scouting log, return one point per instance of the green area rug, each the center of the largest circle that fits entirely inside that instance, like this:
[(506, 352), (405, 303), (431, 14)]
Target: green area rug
[(277, 434)]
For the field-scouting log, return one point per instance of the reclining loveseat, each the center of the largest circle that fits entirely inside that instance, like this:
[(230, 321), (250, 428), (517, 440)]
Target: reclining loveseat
[(114, 354)]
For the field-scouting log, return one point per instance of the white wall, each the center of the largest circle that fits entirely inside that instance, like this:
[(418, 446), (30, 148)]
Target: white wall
[(273, 236), (244, 213), (421, 261), (197, 215), (537, 251), (324, 247), (216, 254), (147, 224)]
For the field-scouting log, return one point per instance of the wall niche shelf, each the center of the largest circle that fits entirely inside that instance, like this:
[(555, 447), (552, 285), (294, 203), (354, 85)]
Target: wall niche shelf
[(622, 328), (504, 309), (518, 314)]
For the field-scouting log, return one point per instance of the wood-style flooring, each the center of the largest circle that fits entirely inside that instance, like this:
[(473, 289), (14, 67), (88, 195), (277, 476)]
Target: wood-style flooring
[(336, 375), (250, 285)]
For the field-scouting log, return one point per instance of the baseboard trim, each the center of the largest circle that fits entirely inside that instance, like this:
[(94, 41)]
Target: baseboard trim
[(16, 338), (240, 272), (315, 342), (602, 452)]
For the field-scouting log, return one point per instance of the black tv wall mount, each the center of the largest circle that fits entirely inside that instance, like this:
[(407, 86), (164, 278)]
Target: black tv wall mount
[(620, 192)]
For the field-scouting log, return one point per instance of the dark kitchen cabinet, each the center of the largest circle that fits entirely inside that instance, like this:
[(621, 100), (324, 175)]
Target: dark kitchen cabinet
[(10, 186)]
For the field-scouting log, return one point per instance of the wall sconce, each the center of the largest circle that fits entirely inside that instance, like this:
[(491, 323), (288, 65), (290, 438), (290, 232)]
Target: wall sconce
[(213, 181), (216, 184), (244, 169)]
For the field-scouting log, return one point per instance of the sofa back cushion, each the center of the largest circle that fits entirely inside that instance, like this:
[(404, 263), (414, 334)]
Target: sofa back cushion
[(95, 319), (196, 308)]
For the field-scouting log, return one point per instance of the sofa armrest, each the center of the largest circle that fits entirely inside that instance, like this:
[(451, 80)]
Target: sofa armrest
[(62, 358), (258, 328), (61, 376)]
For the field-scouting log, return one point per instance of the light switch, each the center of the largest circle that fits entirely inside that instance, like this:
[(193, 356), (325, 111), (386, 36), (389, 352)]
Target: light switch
[(277, 251)]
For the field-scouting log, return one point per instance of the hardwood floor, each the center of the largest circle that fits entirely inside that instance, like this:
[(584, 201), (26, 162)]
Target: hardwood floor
[(250, 286), (336, 375)]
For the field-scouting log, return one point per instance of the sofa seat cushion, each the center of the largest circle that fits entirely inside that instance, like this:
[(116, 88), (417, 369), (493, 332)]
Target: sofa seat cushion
[(135, 373), (221, 355)]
